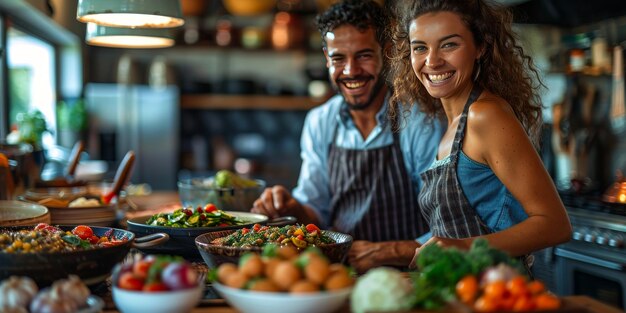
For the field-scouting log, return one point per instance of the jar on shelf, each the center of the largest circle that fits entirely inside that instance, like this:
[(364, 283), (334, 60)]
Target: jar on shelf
[(576, 60)]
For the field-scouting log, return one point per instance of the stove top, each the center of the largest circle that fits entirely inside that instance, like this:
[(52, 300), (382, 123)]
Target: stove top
[(592, 202)]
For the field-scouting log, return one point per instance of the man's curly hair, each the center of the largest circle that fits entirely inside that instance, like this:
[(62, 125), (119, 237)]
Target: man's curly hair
[(361, 14)]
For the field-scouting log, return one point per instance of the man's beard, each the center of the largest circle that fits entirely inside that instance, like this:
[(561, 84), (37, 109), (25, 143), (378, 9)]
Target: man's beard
[(361, 105)]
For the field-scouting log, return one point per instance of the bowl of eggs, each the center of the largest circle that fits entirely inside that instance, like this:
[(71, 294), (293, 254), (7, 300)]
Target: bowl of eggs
[(284, 280)]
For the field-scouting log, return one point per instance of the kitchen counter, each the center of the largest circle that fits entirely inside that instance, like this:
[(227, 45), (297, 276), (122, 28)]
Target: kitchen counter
[(572, 304), (168, 201)]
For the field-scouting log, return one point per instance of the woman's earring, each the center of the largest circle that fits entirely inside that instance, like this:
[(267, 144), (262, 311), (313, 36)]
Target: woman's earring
[(477, 70)]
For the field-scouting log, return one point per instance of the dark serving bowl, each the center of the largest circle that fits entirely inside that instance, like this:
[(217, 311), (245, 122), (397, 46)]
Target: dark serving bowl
[(92, 266), (181, 240), (214, 255)]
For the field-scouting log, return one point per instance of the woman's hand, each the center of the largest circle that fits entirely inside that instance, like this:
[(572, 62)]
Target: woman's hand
[(274, 202), (462, 244), (364, 255)]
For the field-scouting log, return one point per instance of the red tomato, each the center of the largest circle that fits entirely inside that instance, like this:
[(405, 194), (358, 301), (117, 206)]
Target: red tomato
[(245, 231), (256, 227), (199, 209), (141, 267), (210, 208), (83, 232), (154, 287), (94, 239), (312, 227), (41, 226), (129, 281)]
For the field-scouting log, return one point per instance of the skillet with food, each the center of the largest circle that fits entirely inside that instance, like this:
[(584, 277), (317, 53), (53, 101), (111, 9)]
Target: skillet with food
[(182, 238), (46, 254)]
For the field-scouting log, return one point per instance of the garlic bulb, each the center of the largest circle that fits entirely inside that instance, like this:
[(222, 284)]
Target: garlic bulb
[(52, 301), (16, 292), (73, 288)]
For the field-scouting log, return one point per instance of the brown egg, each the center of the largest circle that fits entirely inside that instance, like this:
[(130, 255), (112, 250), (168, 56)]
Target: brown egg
[(270, 266), (285, 275), (317, 269), (225, 270), (236, 280), (304, 286), (338, 281), (287, 252), (264, 284), (251, 265)]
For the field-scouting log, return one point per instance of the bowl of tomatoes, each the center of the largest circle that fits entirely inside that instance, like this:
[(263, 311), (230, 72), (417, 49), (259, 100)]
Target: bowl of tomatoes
[(156, 283)]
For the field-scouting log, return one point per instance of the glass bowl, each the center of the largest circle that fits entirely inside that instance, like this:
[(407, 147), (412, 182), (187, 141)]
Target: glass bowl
[(194, 192)]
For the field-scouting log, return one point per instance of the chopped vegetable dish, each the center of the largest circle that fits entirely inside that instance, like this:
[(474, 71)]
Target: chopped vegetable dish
[(209, 216), (51, 239), (299, 236)]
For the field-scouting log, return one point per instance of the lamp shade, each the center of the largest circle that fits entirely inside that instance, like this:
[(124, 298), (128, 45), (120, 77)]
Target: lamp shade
[(131, 13), (117, 37)]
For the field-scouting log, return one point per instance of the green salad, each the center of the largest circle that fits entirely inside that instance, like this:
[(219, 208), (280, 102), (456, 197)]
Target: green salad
[(209, 216)]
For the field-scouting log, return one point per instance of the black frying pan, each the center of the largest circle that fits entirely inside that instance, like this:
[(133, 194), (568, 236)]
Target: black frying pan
[(182, 240), (92, 266)]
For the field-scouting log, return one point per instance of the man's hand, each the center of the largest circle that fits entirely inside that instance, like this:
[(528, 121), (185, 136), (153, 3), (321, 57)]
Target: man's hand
[(276, 201), (364, 255)]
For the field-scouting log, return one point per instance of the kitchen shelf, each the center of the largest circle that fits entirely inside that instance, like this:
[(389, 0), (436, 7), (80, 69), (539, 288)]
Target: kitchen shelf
[(247, 102)]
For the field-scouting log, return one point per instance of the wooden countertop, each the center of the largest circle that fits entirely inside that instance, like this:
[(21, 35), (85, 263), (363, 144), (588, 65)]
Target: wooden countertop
[(572, 304)]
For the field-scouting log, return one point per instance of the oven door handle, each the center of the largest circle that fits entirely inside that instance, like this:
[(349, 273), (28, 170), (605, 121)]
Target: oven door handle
[(588, 259)]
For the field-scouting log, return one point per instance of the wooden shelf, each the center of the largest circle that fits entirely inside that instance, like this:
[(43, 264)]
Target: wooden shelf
[(247, 102)]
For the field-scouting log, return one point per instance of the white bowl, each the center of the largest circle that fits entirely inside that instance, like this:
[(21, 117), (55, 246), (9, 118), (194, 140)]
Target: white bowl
[(179, 301), (248, 301)]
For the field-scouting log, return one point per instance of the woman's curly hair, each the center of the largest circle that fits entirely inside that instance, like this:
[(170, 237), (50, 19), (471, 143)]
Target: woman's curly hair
[(361, 14), (505, 69)]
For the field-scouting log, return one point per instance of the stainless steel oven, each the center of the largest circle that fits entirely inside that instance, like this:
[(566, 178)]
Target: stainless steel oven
[(593, 263)]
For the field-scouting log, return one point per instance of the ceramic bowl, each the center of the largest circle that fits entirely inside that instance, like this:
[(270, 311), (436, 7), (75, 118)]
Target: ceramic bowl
[(247, 301), (214, 255), (179, 301), (194, 192), (18, 213)]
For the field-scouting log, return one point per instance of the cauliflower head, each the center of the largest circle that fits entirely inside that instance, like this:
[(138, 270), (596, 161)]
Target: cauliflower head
[(382, 289)]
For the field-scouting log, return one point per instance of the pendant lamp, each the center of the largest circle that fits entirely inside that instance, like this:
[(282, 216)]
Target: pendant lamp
[(131, 13), (117, 37)]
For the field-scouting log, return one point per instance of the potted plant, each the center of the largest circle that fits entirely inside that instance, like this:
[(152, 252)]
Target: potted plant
[(30, 127), (71, 121)]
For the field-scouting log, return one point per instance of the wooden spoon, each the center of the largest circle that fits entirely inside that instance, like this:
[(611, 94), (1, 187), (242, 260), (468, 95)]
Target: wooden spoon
[(78, 148), (121, 176)]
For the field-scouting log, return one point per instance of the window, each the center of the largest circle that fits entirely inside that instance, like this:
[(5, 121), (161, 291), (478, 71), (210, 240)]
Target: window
[(31, 76)]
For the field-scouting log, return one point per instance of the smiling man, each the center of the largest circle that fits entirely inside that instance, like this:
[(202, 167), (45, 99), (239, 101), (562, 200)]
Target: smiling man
[(358, 175)]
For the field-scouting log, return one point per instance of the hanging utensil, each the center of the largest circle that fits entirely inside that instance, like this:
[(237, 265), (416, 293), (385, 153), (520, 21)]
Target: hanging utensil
[(121, 176), (618, 111), (74, 158)]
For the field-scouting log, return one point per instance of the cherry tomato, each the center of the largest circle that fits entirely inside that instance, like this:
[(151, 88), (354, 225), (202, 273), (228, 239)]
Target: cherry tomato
[(256, 227), (94, 240), (83, 232), (129, 281), (546, 301), (210, 208), (536, 287), (245, 231), (141, 268), (154, 287), (467, 289), (495, 290), (524, 303), (199, 209), (311, 228), (484, 304), (517, 286)]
